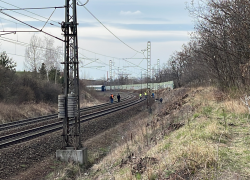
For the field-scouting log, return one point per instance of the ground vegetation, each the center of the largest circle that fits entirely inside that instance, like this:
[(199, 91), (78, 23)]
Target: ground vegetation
[(196, 133)]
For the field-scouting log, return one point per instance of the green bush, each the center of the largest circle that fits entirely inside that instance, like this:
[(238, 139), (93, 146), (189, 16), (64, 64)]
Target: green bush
[(26, 87)]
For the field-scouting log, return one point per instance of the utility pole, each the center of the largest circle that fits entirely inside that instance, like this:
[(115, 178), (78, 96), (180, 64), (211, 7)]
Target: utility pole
[(71, 74), (148, 70), (118, 80), (141, 82), (110, 73), (159, 81), (69, 102)]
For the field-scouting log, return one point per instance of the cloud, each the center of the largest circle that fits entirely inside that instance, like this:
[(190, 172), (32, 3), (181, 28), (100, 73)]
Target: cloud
[(129, 13)]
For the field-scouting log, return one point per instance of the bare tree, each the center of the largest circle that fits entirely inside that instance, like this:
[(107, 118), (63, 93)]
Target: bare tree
[(219, 48), (33, 54), (52, 56)]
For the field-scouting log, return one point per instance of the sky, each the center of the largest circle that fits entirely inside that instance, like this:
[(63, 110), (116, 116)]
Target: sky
[(165, 23)]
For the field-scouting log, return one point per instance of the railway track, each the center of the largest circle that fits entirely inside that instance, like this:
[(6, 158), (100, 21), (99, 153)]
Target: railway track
[(8, 126), (29, 134)]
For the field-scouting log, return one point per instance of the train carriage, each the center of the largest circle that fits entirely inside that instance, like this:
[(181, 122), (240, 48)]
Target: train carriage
[(96, 87)]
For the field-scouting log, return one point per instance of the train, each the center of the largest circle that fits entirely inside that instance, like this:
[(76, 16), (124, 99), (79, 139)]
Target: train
[(153, 86), (96, 87)]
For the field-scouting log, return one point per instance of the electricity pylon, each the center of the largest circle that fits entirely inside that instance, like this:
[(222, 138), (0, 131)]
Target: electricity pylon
[(71, 134), (148, 71)]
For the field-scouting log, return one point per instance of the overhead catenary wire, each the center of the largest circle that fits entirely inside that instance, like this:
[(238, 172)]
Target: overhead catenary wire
[(108, 29), (11, 21), (92, 61), (87, 50), (32, 26), (27, 44), (112, 57), (60, 23), (33, 17), (83, 49), (48, 19), (32, 8), (1, 24), (30, 12)]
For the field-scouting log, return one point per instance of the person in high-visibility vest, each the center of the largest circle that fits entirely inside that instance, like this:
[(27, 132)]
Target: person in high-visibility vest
[(145, 94), (140, 96), (111, 98)]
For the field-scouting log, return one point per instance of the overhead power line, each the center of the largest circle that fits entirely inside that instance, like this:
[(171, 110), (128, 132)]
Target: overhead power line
[(24, 44), (33, 17), (11, 21), (32, 8), (30, 13), (108, 29), (92, 61), (114, 58), (32, 26)]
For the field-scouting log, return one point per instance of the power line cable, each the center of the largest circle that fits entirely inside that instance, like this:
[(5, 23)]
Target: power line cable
[(27, 44), (101, 62), (1, 23), (30, 12), (32, 8), (33, 17), (81, 48), (33, 27), (96, 61), (11, 21), (49, 18), (108, 29)]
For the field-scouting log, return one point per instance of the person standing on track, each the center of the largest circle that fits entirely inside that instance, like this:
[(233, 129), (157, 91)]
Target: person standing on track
[(118, 97), (140, 96), (111, 98), (161, 100)]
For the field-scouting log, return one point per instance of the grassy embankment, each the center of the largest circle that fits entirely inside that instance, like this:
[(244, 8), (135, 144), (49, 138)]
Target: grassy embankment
[(206, 139)]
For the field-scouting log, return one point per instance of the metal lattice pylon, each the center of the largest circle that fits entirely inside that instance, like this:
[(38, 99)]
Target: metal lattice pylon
[(71, 137), (159, 80), (148, 71), (148, 63), (110, 73)]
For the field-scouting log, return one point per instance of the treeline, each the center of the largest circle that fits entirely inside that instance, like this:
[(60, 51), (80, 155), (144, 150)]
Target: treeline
[(219, 49), (27, 86)]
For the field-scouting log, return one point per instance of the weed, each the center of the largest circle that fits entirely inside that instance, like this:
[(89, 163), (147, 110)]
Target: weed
[(179, 136), (167, 146), (123, 171), (168, 173), (116, 163), (138, 176), (103, 151), (196, 115), (153, 176), (224, 114), (207, 110)]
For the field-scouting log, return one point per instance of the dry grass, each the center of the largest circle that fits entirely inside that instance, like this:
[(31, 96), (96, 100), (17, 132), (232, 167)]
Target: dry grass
[(11, 112), (213, 143)]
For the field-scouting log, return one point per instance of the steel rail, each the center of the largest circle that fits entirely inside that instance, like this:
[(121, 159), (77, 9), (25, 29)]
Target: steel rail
[(24, 122), (50, 125), (35, 132)]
